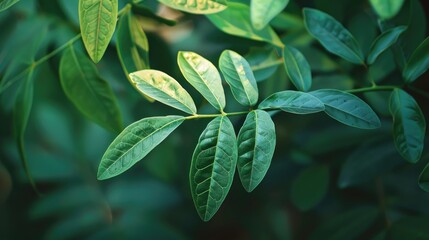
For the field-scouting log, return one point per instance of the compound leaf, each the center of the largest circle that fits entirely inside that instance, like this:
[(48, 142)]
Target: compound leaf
[(134, 143), (333, 35), (91, 94), (263, 11), (213, 167), (203, 76), (97, 24), (297, 68), (256, 144), (293, 102), (197, 7), (348, 109), (409, 125), (239, 76), (163, 88)]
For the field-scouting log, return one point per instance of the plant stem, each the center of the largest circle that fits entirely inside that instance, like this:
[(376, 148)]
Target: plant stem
[(198, 116), (373, 89)]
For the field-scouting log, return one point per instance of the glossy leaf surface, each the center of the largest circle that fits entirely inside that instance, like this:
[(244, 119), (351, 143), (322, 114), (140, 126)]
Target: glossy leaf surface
[(91, 94), (97, 20), (293, 102), (163, 88), (134, 143), (203, 76), (197, 7), (383, 42), (348, 109), (213, 167), (256, 144), (409, 125), (263, 11), (333, 35), (239, 76), (297, 68), (387, 9)]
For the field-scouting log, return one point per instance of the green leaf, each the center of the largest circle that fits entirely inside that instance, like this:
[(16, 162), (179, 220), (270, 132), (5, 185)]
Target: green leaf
[(418, 63), (383, 42), (424, 179), (386, 9), (297, 68), (264, 62), (310, 187), (263, 11), (5, 4), (203, 76), (134, 143), (348, 109), (293, 102), (410, 227), (91, 94), (213, 166), (97, 24), (256, 144), (239, 76), (235, 20), (409, 125), (197, 7), (147, 13), (333, 35), (163, 88)]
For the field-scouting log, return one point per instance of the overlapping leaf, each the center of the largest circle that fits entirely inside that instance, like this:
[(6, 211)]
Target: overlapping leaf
[(239, 76), (418, 63), (197, 7), (293, 102), (91, 94), (256, 144), (297, 68), (97, 24), (409, 125), (264, 62), (348, 109), (134, 143), (203, 76), (333, 35), (213, 166), (263, 11), (383, 42)]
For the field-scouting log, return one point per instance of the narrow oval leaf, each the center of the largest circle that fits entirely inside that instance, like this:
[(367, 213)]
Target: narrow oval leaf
[(424, 179), (263, 11), (163, 88), (310, 187), (256, 144), (333, 35), (235, 20), (239, 76), (383, 42), (293, 102), (418, 63), (91, 94), (5, 4), (386, 9), (213, 167), (97, 24), (197, 7), (409, 126), (348, 109), (134, 143), (203, 76), (297, 68)]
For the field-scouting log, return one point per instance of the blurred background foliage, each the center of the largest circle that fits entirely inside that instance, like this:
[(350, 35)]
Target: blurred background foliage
[(326, 181)]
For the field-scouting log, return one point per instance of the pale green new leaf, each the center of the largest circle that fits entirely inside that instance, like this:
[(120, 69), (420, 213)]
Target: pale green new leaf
[(203, 76), (97, 20), (197, 6), (293, 102), (213, 167), (387, 9), (256, 145), (91, 94), (263, 11), (5, 4), (297, 68), (163, 88), (383, 42), (409, 125), (333, 35), (424, 179), (235, 20), (418, 63), (348, 109), (239, 76), (134, 143)]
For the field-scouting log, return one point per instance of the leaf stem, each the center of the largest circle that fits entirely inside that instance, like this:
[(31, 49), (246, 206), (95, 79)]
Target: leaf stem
[(198, 116), (373, 89)]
